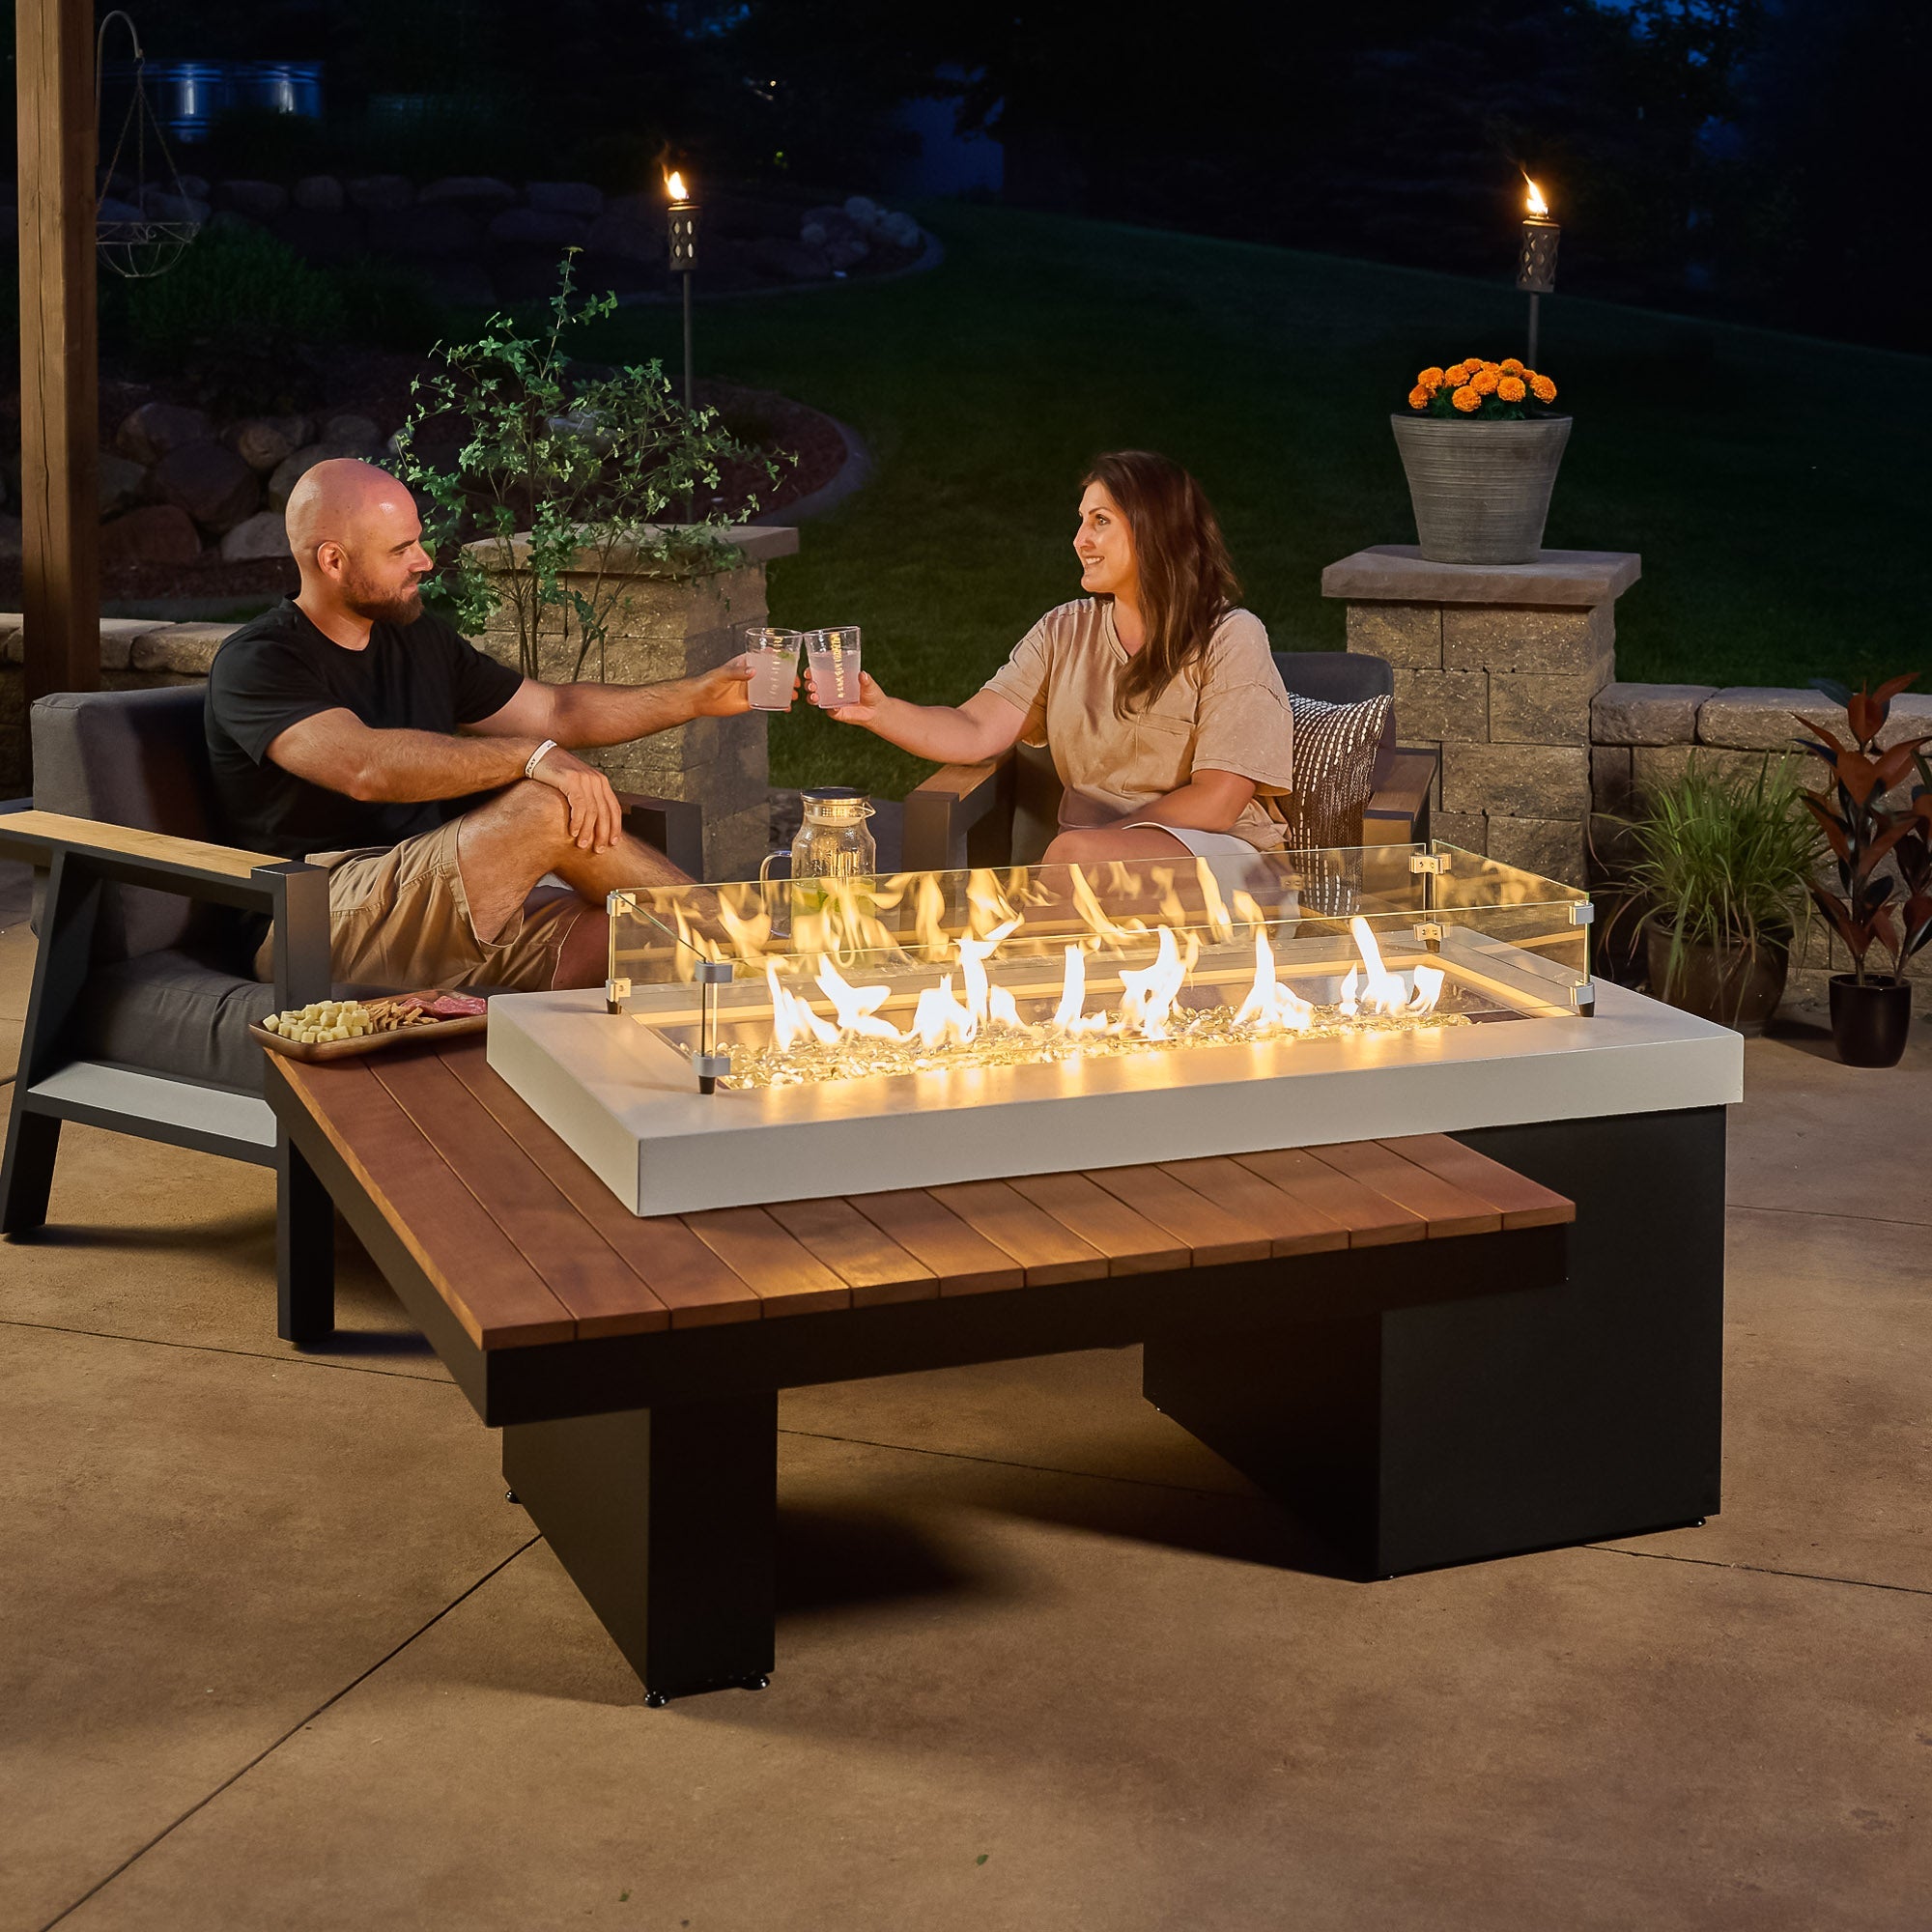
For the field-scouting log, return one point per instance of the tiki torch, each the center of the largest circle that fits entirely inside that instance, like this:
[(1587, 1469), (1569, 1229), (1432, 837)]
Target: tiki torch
[(1536, 265), (683, 256)]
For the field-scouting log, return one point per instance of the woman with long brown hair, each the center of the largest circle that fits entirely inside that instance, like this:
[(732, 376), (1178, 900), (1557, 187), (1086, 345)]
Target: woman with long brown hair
[(1154, 692)]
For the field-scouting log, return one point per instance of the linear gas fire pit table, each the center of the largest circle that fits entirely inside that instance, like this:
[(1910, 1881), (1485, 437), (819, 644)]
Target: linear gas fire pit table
[(1310, 1130)]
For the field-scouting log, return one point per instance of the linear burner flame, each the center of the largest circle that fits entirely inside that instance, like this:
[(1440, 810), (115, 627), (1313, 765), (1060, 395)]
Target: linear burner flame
[(983, 1024)]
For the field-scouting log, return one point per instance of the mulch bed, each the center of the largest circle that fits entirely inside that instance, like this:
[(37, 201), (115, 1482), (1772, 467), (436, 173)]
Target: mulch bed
[(376, 384)]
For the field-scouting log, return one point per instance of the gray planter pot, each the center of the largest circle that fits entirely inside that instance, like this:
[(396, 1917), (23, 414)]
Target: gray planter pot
[(1481, 490)]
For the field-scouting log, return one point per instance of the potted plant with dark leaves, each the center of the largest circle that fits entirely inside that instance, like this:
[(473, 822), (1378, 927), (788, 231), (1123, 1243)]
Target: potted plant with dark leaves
[(1722, 864), (1883, 859)]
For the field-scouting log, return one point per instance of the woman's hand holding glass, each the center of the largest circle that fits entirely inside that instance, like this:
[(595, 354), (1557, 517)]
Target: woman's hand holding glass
[(866, 712)]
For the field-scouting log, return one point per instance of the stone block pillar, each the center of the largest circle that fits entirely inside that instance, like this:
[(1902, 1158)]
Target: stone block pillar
[(668, 623), (1497, 665)]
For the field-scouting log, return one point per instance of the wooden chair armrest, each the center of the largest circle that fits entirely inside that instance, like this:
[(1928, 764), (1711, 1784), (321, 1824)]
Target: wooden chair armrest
[(676, 826), (1398, 814), (294, 895), (944, 812)]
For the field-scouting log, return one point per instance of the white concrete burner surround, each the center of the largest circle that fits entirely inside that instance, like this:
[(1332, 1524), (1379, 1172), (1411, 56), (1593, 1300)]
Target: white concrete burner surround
[(628, 1105)]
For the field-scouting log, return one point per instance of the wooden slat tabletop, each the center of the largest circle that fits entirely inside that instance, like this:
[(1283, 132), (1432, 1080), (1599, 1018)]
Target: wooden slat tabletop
[(526, 1245)]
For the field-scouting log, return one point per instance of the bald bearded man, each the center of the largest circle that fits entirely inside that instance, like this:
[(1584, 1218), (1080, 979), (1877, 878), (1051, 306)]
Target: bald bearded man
[(341, 723)]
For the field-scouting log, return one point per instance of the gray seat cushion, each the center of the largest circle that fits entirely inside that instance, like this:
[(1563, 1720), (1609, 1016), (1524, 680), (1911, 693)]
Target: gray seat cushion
[(170, 1013)]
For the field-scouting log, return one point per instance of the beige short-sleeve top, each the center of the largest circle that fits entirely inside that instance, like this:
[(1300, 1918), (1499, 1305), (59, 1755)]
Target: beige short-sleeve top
[(1227, 712)]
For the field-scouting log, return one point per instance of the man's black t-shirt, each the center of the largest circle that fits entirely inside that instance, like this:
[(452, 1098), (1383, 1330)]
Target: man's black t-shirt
[(278, 669)]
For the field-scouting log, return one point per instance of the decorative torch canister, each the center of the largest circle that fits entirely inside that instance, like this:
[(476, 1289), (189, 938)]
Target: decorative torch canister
[(683, 218), (1536, 265)]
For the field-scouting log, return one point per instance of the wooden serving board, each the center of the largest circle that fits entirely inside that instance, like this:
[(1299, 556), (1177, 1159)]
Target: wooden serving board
[(321, 1050)]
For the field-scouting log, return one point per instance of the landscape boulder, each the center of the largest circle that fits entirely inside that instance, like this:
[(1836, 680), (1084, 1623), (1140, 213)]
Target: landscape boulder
[(195, 185), (256, 199), (263, 442), (159, 533), (262, 535), (147, 433), (537, 228), (319, 194), (162, 205), (383, 192), (209, 482), (576, 198), (352, 433), (484, 191), (123, 482), (430, 231), (899, 230), (628, 235)]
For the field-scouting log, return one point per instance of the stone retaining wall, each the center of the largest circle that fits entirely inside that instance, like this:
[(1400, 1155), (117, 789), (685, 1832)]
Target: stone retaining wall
[(1511, 671)]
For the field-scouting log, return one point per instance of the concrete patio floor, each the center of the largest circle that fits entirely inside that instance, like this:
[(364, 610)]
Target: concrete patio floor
[(279, 1654)]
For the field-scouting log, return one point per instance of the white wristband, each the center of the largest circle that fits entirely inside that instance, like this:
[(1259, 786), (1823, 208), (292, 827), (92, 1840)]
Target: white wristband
[(537, 757)]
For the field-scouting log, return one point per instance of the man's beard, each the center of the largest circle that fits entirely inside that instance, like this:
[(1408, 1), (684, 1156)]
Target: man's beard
[(402, 607)]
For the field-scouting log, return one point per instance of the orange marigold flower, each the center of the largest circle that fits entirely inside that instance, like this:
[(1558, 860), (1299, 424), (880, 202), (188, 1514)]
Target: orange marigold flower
[(1420, 397), (1493, 368), (1510, 388), (1484, 382), (1512, 367), (1455, 375), (1543, 388), (1431, 378), (1466, 399)]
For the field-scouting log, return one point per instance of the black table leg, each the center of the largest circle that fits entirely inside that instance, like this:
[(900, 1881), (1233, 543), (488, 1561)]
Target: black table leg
[(664, 1519), (304, 1251), (1502, 1422)]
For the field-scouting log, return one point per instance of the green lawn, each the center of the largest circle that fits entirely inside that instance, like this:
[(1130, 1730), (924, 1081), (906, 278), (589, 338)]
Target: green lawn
[(1773, 485)]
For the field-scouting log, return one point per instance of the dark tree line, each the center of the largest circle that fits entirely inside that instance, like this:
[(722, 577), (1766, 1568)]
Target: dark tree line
[(1742, 155)]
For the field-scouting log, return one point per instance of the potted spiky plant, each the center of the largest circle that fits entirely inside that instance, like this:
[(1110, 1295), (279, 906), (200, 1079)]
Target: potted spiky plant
[(1872, 1011), (1724, 861)]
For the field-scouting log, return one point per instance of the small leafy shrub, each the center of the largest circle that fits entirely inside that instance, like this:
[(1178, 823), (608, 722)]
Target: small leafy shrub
[(543, 483), (233, 284)]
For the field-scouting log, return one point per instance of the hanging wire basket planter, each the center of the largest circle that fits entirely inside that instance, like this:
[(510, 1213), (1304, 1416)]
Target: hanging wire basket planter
[(135, 239)]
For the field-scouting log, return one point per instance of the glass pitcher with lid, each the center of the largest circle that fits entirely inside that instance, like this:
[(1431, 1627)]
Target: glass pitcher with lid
[(831, 843)]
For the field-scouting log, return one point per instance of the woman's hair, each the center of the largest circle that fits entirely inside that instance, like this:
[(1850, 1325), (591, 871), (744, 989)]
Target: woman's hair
[(1187, 582)]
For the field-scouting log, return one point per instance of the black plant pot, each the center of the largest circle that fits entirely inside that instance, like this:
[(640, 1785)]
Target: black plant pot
[(1870, 1022), (1738, 986)]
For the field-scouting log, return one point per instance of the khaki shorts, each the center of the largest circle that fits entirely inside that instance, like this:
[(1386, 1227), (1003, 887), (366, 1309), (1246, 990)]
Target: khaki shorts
[(398, 916)]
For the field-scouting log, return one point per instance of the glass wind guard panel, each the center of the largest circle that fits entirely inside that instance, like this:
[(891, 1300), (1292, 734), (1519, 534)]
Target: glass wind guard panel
[(804, 980)]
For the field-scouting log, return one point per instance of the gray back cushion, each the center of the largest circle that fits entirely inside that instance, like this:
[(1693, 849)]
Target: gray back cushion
[(132, 757)]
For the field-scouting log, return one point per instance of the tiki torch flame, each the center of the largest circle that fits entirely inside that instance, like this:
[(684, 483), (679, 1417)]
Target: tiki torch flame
[(1536, 203), (675, 186)]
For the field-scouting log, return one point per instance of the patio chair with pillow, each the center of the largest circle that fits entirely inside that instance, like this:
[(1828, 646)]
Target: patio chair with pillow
[(1355, 784), (142, 997)]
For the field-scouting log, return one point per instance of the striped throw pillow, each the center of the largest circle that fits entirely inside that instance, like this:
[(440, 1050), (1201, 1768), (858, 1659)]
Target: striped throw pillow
[(1335, 747)]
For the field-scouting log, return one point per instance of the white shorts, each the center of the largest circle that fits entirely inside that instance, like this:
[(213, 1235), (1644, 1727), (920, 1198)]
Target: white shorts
[(1203, 844)]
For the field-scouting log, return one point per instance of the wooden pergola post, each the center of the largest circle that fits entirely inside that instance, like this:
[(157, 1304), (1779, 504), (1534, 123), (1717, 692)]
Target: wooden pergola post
[(60, 432)]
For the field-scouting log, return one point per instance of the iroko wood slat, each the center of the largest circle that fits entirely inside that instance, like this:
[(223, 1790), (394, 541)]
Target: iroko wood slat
[(963, 1260), (1210, 1232), (583, 1272), (860, 1254), (1292, 1226), (477, 1269), (527, 1245), (788, 1280), (1131, 1242), (691, 1281), (1448, 1210), (135, 842), (1045, 1249), (1372, 1220), (1521, 1202)]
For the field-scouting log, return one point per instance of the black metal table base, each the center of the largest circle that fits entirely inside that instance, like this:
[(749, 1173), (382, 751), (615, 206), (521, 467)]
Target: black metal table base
[(1426, 1404)]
